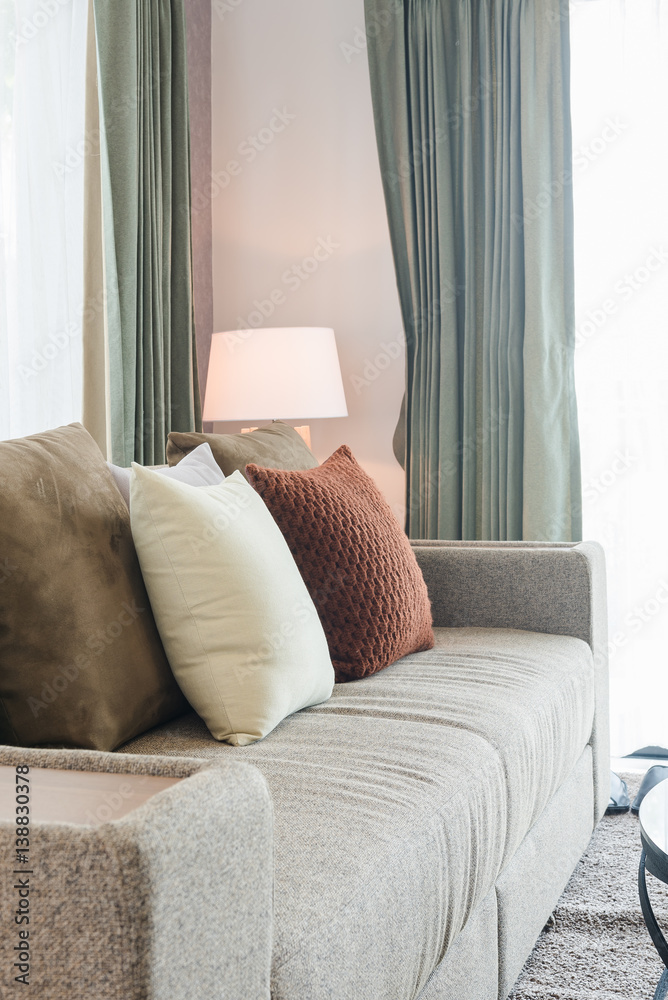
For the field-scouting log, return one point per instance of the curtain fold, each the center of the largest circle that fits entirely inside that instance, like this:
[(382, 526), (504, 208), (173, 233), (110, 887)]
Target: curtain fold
[(471, 105), (96, 415), (145, 183)]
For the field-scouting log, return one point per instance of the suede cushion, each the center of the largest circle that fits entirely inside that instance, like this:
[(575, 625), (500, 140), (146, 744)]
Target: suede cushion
[(355, 559), (81, 662), (277, 446)]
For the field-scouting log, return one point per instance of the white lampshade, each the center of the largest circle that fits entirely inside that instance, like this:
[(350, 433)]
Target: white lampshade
[(287, 373)]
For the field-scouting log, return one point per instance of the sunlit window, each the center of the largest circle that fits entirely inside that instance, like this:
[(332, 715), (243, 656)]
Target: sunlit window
[(42, 75), (620, 125)]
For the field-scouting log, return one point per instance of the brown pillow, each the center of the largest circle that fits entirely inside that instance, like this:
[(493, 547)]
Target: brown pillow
[(277, 446), (81, 662), (356, 561)]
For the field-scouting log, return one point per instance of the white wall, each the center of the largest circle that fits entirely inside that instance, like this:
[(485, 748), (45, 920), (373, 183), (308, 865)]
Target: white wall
[(314, 178)]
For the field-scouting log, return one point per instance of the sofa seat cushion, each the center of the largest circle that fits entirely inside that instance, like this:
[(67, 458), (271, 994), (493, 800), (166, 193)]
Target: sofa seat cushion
[(399, 801), (529, 696)]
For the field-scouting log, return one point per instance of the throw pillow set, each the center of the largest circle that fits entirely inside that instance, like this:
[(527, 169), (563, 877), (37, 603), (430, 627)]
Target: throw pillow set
[(257, 587)]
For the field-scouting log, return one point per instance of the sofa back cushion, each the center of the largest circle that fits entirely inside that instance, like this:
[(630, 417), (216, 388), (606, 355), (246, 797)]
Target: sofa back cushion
[(81, 661), (355, 559), (276, 446)]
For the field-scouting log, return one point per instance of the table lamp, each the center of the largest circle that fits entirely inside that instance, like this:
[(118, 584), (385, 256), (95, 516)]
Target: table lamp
[(279, 373)]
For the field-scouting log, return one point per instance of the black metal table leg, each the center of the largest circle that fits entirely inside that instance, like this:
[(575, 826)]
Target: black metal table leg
[(655, 931), (662, 989)]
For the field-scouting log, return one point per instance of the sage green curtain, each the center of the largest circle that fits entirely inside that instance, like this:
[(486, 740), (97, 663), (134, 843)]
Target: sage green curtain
[(145, 184), (472, 113)]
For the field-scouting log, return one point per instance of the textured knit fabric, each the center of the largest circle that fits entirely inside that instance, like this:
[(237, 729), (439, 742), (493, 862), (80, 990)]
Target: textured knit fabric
[(556, 588), (277, 446), (81, 662), (486, 957), (172, 902), (535, 878), (355, 559), (400, 801), (470, 969)]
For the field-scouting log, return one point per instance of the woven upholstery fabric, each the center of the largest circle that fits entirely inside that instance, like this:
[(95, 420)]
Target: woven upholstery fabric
[(171, 902), (555, 588), (402, 805), (356, 561), (400, 801)]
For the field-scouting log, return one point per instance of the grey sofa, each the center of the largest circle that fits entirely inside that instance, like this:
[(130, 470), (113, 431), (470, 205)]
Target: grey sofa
[(407, 839)]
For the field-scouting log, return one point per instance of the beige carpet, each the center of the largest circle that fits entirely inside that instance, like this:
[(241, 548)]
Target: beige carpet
[(596, 946)]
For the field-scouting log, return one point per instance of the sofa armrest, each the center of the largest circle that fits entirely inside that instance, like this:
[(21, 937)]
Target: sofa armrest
[(535, 586), (173, 900)]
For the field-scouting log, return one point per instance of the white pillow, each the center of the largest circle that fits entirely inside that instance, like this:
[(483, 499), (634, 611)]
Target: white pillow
[(241, 632), (199, 468)]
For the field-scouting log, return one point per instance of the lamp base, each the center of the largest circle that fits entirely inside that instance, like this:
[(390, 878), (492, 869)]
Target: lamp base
[(304, 432)]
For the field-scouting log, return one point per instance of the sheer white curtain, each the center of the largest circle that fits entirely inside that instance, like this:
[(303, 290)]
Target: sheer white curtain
[(620, 123), (42, 73)]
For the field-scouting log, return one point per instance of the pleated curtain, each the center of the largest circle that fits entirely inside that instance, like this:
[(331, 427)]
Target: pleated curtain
[(472, 114), (138, 327)]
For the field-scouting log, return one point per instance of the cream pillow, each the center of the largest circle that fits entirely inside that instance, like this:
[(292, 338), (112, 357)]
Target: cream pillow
[(240, 630)]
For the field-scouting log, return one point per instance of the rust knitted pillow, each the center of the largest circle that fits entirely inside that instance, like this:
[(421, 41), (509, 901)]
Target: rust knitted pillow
[(355, 559)]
